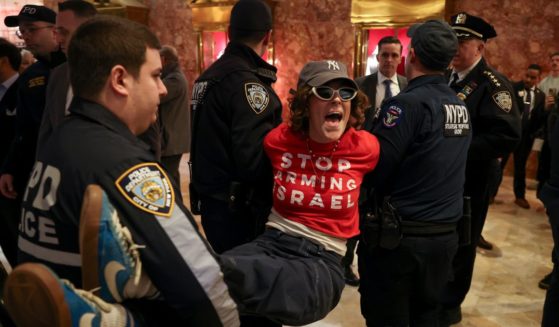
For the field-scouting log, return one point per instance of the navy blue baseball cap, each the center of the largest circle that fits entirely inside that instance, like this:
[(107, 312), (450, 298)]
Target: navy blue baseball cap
[(31, 13), (434, 43), (251, 15)]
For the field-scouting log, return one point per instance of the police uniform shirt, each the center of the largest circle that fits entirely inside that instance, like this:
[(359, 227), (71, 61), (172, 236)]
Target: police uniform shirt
[(423, 146), (494, 113), (94, 146), (462, 74), (234, 107)]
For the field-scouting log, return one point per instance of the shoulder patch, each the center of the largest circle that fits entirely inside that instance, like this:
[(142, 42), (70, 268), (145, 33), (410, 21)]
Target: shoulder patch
[(257, 97), (147, 187), (392, 116), (504, 100)]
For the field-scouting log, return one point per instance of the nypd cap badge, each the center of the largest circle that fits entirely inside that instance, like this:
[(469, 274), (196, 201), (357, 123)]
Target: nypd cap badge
[(257, 97), (147, 187)]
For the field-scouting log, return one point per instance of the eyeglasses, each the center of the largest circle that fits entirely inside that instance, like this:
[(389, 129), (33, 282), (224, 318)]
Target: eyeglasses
[(327, 93), (30, 30)]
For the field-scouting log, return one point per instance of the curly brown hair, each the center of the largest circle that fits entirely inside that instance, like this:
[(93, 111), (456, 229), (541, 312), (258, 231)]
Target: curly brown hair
[(299, 109)]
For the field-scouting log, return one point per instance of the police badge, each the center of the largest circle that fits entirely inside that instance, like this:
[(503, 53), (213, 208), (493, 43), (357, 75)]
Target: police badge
[(147, 187), (461, 18), (257, 97), (392, 116), (503, 100)]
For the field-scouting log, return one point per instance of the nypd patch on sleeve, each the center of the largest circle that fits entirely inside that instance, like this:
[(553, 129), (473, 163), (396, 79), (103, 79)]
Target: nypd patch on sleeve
[(392, 116), (147, 187), (257, 97)]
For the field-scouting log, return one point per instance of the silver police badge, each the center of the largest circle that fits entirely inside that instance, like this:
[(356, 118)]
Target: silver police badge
[(257, 97), (461, 18), (148, 187), (503, 100)]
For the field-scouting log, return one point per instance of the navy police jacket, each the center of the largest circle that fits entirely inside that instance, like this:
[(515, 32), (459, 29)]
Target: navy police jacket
[(493, 110), (424, 134), (234, 107), (31, 104), (94, 146)]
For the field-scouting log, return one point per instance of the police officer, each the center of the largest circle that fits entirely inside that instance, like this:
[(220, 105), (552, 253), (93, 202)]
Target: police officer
[(114, 101), (424, 133), (496, 132), (234, 107), (36, 28)]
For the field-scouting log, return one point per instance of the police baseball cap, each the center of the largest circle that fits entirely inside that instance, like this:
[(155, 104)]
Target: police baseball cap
[(31, 13), (434, 43), (470, 26), (251, 15), (317, 73)]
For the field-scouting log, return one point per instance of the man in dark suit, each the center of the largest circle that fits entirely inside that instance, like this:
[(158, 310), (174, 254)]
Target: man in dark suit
[(375, 85), (10, 59), (174, 113), (531, 103)]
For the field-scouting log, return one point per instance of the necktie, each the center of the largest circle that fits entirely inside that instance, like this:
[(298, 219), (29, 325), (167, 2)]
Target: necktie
[(454, 79), (387, 90)]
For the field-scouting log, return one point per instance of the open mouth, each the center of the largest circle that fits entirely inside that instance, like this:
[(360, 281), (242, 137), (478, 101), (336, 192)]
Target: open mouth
[(333, 119)]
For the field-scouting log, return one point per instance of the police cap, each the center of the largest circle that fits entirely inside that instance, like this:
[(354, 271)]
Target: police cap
[(31, 13), (434, 43), (251, 15), (468, 26), (317, 73)]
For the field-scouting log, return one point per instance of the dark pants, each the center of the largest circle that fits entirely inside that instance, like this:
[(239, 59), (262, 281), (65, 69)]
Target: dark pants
[(477, 188), (520, 155), (402, 287), (9, 221), (288, 279), (171, 164), (551, 305), (544, 166), (347, 260), (226, 229)]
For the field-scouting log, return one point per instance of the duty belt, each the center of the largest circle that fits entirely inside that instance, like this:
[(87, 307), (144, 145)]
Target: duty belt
[(417, 228)]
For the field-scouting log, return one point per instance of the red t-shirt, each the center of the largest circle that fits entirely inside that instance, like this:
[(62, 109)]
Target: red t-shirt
[(317, 184)]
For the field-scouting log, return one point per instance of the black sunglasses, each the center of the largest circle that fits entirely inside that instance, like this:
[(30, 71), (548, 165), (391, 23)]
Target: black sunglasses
[(327, 93)]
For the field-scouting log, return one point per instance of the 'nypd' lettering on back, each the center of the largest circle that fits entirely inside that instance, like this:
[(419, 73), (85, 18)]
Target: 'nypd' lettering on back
[(148, 188), (457, 120), (257, 97)]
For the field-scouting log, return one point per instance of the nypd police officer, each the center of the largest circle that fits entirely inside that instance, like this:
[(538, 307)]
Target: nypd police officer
[(234, 107), (496, 132), (424, 133)]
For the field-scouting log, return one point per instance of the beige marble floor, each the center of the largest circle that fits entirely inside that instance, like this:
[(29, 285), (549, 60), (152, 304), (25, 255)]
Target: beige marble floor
[(504, 290)]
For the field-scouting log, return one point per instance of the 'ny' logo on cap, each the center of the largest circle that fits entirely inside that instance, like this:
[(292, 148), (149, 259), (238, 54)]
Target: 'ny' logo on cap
[(333, 65)]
